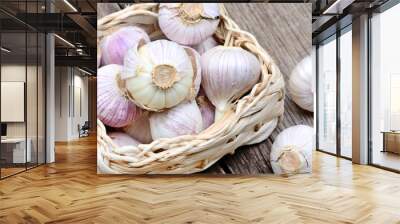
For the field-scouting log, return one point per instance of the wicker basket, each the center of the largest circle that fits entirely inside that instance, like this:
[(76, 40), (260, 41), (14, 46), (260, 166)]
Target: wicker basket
[(254, 118)]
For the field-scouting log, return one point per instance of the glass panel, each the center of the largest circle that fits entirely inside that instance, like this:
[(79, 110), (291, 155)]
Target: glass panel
[(346, 94), (31, 98), (385, 84), (327, 96), (13, 87), (41, 99)]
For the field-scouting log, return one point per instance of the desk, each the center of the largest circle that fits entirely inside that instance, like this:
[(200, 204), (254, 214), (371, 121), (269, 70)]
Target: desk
[(17, 150), (391, 141)]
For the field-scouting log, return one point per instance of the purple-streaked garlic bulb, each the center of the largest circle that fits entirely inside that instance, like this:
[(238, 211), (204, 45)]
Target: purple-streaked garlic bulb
[(113, 109), (188, 23), (207, 110), (161, 74), (301, 84), (114, 46), (184, 119), (206, 45), (122, 139), (139, 129), (227, 74)]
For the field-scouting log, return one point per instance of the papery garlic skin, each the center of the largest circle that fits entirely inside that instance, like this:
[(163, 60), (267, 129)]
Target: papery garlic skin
[(206, 45), (292, 150), (159, 75), (115, 46), (301, 85), (184, 119), (113, 109), (207, 110), (188, 23), (228, 73), (121, 139), (196, 64), (139, 129)]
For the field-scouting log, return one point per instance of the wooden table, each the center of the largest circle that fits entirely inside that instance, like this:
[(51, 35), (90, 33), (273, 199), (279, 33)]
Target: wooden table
[(284, 30)]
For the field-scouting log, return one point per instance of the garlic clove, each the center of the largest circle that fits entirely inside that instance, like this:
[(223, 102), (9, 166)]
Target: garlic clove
[(227, 74), (139, 129), (115, 46), (206, 45), (184, 119), (113, 109), (196, 65), (301, 84), (291, 151), (160, 75), (121, 139), (207, 110), (188, 23)]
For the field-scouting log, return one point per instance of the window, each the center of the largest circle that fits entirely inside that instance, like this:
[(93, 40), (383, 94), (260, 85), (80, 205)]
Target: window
[(385, 89)]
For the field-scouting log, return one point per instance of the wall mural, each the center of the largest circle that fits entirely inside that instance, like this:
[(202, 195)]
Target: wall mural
[(200, 88)]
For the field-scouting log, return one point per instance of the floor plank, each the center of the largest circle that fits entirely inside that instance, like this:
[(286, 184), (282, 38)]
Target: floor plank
[(70, 191)]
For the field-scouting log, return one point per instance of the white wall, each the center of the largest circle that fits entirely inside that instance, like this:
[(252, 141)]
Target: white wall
[(70, 83)]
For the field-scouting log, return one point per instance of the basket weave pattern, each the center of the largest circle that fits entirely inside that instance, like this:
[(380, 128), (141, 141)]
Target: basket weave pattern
[(254, 117)]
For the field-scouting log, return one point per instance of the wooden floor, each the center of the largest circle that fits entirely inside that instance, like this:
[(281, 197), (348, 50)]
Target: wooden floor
[(70, 191)]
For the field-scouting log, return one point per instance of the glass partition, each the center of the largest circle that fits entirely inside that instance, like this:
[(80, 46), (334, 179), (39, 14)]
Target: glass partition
[(327, 95), (346, 92), (385, 89)]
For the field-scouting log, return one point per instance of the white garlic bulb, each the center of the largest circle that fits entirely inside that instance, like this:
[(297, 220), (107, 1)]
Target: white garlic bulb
[(160, 75), (292, 149), (228, 73), (206, 45), (184, 119), (301, 85), (114, 46), (188, 23), (121, 139), (139, 129), (113, 109)]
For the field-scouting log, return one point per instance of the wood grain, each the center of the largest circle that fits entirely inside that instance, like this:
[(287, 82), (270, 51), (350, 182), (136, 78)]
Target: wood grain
[(284, 30), (70, 191)]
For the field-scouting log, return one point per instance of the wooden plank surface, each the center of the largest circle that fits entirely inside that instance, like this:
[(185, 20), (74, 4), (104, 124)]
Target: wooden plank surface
[(284, 30)]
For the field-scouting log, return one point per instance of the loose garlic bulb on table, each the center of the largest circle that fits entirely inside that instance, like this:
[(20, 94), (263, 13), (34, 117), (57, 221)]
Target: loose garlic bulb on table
[(113, 109), (188, 23), (301, 85), (228, 73), (114, 46), (161, 74), (292, 149), (184, 119)]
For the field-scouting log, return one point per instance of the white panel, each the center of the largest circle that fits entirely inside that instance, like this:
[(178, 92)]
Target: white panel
[(12, 101)]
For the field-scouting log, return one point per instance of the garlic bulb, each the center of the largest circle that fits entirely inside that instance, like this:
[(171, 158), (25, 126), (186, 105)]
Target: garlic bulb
[(139, 129), (160, 75), (113, 109), (188, 23), (292, 150), (301, 85), (122, 139), (228, 73), (184, 119), (114, 46), (205, 45), (207, 111)]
